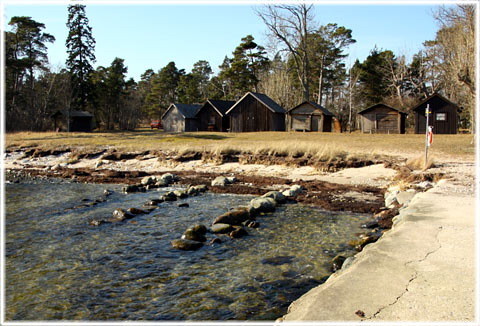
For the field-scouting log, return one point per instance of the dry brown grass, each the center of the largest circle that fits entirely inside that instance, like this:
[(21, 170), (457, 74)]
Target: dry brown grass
[(323, 146), (419, 163)]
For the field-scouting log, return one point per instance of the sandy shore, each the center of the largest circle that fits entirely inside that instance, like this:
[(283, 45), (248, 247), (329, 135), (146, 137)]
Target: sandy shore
[(423, 269)]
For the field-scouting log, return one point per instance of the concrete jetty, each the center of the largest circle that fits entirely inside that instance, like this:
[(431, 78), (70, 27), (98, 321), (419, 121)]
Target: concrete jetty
[(421, 270)]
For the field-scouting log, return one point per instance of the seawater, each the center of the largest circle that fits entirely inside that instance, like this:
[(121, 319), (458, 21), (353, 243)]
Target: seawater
[(58, 267)]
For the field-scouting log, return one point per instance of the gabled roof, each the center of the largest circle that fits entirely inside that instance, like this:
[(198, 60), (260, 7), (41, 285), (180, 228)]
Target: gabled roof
[(315, 105), (380, 104), (73, 113), (421, 105), (188, 111), (264, 99), (219, 105)]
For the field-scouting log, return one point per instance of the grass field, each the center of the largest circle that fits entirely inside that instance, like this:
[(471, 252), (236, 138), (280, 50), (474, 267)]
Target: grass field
[(290, 143)]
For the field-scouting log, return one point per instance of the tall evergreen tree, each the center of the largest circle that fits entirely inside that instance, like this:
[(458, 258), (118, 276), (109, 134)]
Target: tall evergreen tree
[(80, 49), (26, 54)]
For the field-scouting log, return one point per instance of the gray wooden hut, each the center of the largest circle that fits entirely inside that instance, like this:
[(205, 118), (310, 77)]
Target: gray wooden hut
[(383, 119), (256, 112), (212, 115), (81, 121), (444, 116), (309, 116), (180, 118)]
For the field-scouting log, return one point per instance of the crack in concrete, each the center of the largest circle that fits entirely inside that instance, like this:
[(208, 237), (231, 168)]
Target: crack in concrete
[(413, 278)]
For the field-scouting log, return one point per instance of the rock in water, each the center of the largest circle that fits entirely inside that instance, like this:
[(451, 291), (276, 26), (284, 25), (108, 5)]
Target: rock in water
[(221, 228), (120, 215), (238, 233), (263, 204), (276, 195), (147, 181), (235, 217), (192, 235), (136, 211), (184, 244), (199, 228), (337, 262)]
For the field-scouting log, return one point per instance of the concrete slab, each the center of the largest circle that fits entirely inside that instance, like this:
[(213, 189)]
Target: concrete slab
[(423, 269)]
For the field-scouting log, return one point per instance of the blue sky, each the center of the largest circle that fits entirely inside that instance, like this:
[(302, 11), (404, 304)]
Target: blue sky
[(150, 36)]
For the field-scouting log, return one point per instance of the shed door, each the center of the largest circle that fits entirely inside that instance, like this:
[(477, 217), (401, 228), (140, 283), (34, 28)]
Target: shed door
[(316, 123), (387, 123)]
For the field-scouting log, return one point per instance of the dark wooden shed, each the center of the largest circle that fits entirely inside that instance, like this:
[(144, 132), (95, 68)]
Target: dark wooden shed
[(256, 112), (443, 117), (309, 116), (383, 119), (79, 121), (212, 115), (180, 118)]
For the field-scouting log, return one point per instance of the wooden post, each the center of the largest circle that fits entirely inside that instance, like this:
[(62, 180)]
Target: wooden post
[(427, 113)]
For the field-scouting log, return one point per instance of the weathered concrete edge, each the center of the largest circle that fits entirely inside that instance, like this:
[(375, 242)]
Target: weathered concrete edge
[(381, 274)]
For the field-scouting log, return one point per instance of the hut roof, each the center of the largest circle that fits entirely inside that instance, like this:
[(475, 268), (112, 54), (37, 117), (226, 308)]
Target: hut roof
[(219, 105), (73, 113), (370, 108), (187, 110), (315, 105), (264, 99), (420, 106)]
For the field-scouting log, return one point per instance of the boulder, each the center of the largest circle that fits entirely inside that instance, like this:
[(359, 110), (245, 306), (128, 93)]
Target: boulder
[(180, 194), (148, 180), (275, 195), (263, 204), (232, 180), (220, 182), (190, 234), (119, 214), (168, 178), (201, 188), (199, 228), (136, 211), (221, 228), (337, 262), (192, 191), (234, 217), (183, 205), (129, 188), (184, 244), (293, 191), (238, 233), (215, 240), (169, 196)]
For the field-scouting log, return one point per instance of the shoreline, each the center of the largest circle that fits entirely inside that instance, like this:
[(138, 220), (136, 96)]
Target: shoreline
[(359, 189)]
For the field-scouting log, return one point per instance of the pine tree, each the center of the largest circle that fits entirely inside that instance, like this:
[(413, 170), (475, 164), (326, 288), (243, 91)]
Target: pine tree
[(80, 49)]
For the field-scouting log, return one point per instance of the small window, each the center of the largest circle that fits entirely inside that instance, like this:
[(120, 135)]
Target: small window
[(441, 116)]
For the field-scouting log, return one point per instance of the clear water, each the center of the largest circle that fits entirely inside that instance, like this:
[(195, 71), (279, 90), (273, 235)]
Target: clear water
[(58, 267)]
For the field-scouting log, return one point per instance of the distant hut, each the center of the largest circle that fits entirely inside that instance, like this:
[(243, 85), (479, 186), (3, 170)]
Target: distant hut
[(309, 116), (73, 121), (180, 118), (383, 119), (212, 115), (443, 119), (256, 112)]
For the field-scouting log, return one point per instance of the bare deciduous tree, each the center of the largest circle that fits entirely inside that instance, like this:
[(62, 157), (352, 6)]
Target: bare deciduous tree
[(290, 26)]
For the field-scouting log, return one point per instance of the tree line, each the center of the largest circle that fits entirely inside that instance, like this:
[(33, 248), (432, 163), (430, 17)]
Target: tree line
[(304, 61)]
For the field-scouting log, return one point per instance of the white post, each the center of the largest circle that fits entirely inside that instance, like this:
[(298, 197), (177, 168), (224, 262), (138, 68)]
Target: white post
[(427, 113)]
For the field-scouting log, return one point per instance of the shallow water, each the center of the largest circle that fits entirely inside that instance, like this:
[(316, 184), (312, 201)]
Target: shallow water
[(58, 267)]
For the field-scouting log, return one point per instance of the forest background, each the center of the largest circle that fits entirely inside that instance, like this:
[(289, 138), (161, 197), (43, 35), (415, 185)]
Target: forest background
[(303, 60)]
